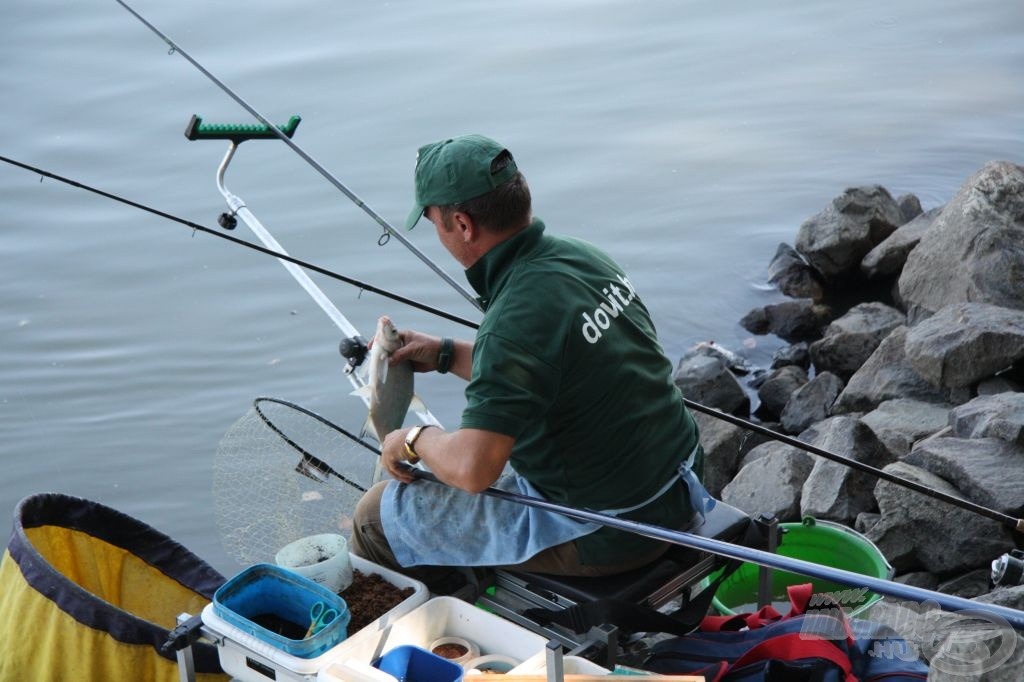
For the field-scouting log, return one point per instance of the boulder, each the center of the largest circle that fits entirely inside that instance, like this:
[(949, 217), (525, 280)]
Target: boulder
[(723, 443), (849, 341), (811, 403), (836, 240), (797, 320), (773, 448), (963, 343), (792, 275), (888, 258), (833, 490), (885, 376), (969, 585), (989, 471), (999, 415), (706, 380), (910, 206), (919, 531), (770, 484), (902, 422), (922, 579), (777, 388), (973, 248), (794, 354)]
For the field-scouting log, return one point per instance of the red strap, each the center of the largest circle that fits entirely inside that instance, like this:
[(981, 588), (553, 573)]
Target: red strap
[(799, 598), (796, 646)]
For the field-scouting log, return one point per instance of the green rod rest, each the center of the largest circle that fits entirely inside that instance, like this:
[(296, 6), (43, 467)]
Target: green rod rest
[(237, 132)]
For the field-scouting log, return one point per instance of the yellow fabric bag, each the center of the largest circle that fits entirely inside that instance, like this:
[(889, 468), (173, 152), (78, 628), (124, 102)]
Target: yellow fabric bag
[(89, 593)]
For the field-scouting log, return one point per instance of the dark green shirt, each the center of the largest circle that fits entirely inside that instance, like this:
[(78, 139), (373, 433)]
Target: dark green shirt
[(567, 362)]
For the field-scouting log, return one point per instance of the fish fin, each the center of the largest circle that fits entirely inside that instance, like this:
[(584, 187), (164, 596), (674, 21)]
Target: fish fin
[(369, 430), (384, 372), (417, 406), (362, 392)]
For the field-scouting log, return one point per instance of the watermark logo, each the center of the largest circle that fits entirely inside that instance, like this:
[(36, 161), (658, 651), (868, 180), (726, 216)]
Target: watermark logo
[(963, 643)]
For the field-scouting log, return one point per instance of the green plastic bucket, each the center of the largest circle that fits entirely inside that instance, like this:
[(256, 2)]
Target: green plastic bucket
[(821, 542)]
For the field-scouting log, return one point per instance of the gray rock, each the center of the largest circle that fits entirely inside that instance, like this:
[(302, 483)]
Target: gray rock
[(836, 240), (989, 471), (991, 416), (797, 320), (723, 443), (1010, 597), (973, 247), (919, 531), (849, 341), (910, 206), (969, 585), (922, 579), (777, 387), (885, 376), (770, 484), (706, 380), (835, 491), (865, 521), (965, 342), (998, 384), (792, 275), (773, 448), (811, 403), (888, 258), (902, 422), (794, 354)]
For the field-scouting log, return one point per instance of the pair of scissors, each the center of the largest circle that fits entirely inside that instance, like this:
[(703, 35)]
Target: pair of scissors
[(320, 616)]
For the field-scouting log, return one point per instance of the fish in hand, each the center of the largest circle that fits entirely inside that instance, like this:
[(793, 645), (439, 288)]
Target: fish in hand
[(389, 388)]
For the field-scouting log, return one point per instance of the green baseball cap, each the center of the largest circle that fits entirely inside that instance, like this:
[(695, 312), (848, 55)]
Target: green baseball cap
[(458, 169)]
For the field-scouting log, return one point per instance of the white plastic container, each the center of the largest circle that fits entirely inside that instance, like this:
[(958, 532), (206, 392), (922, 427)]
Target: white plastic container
[(444, 617), (571, 665), (249, 659), (322, 558)]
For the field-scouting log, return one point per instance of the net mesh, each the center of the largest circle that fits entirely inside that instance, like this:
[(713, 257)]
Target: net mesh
[(282, 473)]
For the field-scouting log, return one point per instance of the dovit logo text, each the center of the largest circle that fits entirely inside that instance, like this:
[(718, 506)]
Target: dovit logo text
[(595, 324)]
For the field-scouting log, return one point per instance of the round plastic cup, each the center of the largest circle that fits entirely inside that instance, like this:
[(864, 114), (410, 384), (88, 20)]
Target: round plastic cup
[(323, 558)]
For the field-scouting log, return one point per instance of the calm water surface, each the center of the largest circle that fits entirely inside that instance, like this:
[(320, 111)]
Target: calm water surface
[(686, 138)]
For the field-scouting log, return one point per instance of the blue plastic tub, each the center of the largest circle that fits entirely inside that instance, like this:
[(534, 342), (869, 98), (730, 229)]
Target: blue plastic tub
[(270, 594), (412, 664)]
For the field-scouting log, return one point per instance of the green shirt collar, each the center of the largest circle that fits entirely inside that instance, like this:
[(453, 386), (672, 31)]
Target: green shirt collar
[(488, 274)]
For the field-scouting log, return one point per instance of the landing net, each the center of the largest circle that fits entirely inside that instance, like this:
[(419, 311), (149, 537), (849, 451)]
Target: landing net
[(282, 472)]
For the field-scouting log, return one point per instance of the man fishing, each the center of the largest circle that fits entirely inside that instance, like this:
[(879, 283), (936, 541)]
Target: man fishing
[(567, 383)]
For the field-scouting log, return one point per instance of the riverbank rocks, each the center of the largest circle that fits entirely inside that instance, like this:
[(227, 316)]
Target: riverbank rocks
[(964, 343), (974, 251), (906, 333), (836, 240), (1000, 415), (849, 341)]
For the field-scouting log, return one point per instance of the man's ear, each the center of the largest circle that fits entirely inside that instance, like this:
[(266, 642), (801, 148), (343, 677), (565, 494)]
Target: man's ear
[(466, 226)]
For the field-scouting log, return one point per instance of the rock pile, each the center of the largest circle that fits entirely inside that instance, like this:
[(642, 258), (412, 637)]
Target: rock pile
[(907, 353)]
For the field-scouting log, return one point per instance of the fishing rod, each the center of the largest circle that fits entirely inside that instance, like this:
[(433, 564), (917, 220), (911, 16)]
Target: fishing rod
[(280, 255), (388, 229), (1013, 617), (1005, 519)]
